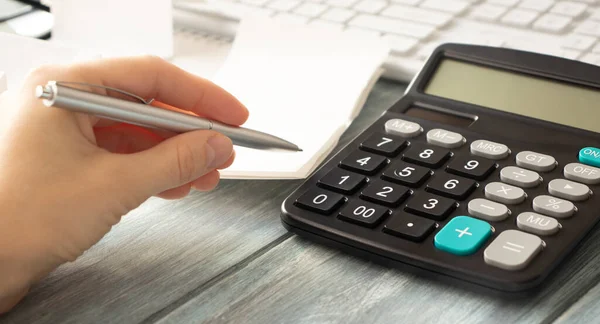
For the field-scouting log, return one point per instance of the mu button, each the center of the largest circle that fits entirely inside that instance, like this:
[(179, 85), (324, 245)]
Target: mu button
[(463, 235)]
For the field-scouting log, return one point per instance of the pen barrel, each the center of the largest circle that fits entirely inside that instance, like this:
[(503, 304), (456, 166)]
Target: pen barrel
[(124, 111)]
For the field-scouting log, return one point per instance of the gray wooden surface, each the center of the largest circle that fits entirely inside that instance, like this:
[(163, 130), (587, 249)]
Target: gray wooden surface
[(224, 257)]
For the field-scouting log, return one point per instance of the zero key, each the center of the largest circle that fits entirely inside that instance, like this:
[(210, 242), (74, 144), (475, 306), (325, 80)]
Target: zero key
[(320, 201)]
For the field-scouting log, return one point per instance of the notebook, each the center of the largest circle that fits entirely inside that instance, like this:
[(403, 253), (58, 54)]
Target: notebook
[(296, 85)]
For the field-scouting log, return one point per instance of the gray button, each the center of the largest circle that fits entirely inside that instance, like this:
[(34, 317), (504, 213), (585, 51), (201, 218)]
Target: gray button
[(402, 128), (504, 193), (490, 150), (520, 177), (568, 190), (537, 224), (582, 173), (512, 250), (445, 138), (488, 210), (536, 161), (553, 206)]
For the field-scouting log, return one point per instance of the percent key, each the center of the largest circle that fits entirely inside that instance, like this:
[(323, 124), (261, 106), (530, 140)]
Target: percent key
[(553, 206)]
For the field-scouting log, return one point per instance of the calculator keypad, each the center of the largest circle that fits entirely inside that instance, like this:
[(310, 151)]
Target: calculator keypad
[(411, 182)]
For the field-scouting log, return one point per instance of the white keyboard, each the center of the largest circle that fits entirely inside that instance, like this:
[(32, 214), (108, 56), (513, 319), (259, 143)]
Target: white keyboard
[(569, 29)]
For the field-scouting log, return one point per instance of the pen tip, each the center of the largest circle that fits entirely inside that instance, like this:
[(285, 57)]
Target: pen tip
[(300, 150)]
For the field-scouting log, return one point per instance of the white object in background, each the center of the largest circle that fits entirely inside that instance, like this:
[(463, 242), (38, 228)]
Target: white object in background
[(297, 85), (115, 27), (3, 82)]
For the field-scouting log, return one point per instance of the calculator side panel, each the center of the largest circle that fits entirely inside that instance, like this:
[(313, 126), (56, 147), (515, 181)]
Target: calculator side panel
[(425, 255)]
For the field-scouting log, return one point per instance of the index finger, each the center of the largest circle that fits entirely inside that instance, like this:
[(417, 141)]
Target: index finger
[(153, 77)]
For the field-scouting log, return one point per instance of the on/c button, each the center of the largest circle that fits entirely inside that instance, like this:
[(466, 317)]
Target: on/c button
[(590, 156)]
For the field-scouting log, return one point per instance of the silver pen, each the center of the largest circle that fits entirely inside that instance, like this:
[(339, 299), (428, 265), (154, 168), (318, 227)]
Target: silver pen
[(61, 95)]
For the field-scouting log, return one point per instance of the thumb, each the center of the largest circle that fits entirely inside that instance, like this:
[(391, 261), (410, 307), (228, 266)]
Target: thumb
[(176, 161)]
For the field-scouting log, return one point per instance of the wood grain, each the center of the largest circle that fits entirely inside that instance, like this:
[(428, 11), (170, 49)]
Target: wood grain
[(166, 252)]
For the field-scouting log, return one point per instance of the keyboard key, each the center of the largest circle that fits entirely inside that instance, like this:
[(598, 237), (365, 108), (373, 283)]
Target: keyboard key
[(444, 138), (569, 8), (553, 206), (578, 42), (537, 5), (582, 173), (589, 27), (363, 213), (453, 6), (310, 9), (451, 186), (537, 224), (342, 181), (520, 177), (512, 250), (463, 235), (519, 17), (283, 5), (384, 145), (430, 206), (320, 201), (391, 25), (471, 167), (568, 190), (489, 150), (488, 210), (426, 16), (385, 193), (506, 3), (409, 227), (504, 193), (364, 162), (370, 6), (402, 128), (535, 161), (406, 174), (341, 3), (429, 156), (552, 23), (488, 12), (338, 15)]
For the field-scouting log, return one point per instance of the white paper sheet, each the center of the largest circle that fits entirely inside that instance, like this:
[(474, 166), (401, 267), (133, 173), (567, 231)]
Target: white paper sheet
[(302, 84)]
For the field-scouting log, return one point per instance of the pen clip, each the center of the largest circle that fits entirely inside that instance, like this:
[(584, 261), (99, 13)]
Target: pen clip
[(144, 101)]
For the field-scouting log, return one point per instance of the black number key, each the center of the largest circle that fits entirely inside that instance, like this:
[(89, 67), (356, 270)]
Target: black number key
[(363, 213), (473, 167), (409, 226), (364, 162), (406, 174), (320, 201), (384, 144), (451, 186), (429, 156), (385, 193), (430, 206), (342, 181)]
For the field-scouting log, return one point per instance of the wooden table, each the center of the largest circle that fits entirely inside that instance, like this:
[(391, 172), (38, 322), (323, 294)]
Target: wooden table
[(224, 257)]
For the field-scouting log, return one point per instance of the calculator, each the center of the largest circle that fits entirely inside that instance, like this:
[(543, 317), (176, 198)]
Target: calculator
[(486, 171)]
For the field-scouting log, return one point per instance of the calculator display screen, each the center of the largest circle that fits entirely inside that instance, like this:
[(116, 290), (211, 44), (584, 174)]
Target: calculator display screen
[(553, 101)]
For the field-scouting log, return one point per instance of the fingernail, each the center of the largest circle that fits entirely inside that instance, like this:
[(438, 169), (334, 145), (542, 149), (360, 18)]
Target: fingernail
[(218, 151)]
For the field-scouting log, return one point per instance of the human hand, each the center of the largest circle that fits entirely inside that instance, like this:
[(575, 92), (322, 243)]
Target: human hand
[(66, 178)]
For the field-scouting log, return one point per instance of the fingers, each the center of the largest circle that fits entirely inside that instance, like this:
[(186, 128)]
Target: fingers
[(208, 182), (153, 77)]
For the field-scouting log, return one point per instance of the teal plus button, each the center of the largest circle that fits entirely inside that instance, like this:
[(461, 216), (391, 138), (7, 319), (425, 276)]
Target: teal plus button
[(463, 235), (590, 156)]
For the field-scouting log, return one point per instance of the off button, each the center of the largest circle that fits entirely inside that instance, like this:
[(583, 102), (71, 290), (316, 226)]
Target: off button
[(590, 156)]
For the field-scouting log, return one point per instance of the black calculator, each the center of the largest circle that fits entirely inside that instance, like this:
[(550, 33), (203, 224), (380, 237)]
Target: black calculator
[(486, 171)]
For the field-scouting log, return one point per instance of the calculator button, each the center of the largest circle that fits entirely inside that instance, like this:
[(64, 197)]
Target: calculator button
[(537, 224), (535, 161), (320, 201), (430, 206), (463, 235), (520, 177), (553, 206), (590, 156), (512, 250), (568, 190), (385, 193), (342, 181), (504, 193), (364, 162), (409, 227), (428, 156), (402, 128), (445, 138), (406, 174), (490, 150), (488, 210), (384, 145), (451, 186), (362, 213), (471, 167), (582, 173)]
